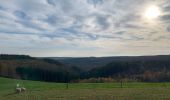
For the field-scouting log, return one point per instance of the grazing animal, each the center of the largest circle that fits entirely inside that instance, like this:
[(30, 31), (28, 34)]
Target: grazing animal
[(18, 90), (23, 89)]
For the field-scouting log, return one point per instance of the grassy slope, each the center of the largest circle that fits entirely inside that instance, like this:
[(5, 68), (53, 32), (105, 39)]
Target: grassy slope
[(84, 91)]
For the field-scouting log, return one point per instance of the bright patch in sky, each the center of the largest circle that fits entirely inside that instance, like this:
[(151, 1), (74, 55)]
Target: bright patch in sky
[(152, 12)]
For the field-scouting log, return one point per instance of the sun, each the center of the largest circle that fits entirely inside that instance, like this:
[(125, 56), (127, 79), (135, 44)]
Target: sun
[(152, 12)]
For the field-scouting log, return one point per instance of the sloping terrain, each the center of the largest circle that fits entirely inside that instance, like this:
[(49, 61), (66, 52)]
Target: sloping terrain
[(88, 63), (82, 91), (26, 67)]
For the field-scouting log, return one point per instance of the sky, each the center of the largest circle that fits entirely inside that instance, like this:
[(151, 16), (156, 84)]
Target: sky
[(83, 28)]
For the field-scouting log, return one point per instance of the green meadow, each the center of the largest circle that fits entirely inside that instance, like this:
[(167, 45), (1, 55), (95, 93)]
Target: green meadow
[(83, 91)]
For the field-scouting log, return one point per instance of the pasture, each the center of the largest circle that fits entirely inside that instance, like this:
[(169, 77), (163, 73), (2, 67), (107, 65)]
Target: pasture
[(84, 91)]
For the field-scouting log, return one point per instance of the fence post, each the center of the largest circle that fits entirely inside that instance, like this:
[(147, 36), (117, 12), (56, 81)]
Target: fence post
[(121, 83), (67, 80)]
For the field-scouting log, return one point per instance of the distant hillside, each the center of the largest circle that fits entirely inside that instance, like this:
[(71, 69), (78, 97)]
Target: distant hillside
[(88, 63), (139, 68), (14, 57), (26, 67)]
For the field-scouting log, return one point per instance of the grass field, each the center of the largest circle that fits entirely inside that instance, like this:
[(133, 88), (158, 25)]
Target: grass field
[(84, 91)]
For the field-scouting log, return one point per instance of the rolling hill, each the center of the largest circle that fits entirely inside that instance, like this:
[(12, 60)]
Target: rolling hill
[(30, 68), (139, 68), (88, 63)]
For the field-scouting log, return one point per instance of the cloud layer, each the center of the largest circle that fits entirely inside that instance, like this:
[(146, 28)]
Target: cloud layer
[(83, 27)]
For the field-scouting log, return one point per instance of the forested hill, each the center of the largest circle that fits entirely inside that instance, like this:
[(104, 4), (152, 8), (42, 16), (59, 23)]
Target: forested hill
[(141, 68), (14, 57), (88, 63), (30, 68)]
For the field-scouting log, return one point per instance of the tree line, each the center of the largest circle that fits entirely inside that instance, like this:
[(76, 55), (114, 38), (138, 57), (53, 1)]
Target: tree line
[(29, 68)]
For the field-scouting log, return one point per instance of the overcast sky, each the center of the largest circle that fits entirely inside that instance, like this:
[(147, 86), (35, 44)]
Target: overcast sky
[(84, 27)]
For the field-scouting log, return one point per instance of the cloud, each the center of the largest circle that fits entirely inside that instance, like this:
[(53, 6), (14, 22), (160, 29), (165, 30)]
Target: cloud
[(165, 17), (95, 2), (89, 27), (168, 28)]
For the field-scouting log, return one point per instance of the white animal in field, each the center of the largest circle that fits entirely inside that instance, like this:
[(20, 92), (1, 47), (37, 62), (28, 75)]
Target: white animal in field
[(19, 89), (23, 89)]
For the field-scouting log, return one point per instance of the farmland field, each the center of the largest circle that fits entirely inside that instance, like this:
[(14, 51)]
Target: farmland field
[(84, 91)]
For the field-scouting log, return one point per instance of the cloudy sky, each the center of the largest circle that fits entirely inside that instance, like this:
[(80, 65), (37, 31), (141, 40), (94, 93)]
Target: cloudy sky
[(85, 27)]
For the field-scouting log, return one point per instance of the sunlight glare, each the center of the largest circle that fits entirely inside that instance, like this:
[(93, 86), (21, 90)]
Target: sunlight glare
[(152, 12)]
